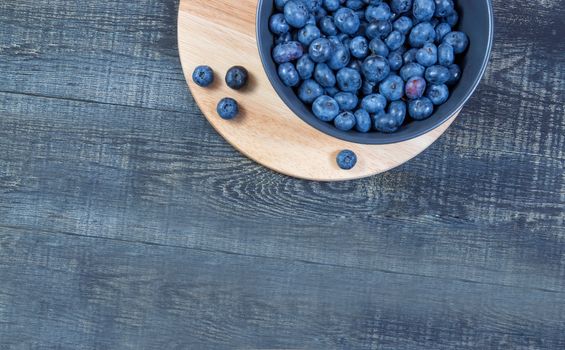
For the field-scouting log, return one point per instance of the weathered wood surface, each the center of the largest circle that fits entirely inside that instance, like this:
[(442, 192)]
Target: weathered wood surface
[(126, 222)]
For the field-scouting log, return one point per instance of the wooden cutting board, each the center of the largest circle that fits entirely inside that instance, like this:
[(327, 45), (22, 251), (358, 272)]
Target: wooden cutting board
[(221, 34)]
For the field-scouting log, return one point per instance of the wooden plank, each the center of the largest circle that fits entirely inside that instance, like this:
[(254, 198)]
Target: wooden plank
[(69, 292)]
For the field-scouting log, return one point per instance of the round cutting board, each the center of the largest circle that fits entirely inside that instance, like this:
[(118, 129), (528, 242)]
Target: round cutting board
[(221, 34)]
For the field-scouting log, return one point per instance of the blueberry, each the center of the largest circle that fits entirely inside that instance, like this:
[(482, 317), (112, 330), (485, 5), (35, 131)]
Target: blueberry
[(401, 6), (415, 88), (286, 52), (277, 24), (203, 76), (437, 74), (325, 108), (362, 120), (445, 55), (421, 108), (422, 33), (324, 75), (236, 77), (309, 91), (375, 68), (373, 103), (452, 19), (438, 94), (355, 64), (423, 10), (346, 20), (443, 8), (395, 40), (279, 4), (339, 58), (354, 4), (346, 159), (412, 70), (296, 13), (378, 29), (331, 5), (441, 30), (397, 110), (359, 47), (331, 91), (308, 34), (368, 87), (345, 121), (458, 40), (392, 87), (427, 55), (283, 38), (410, 56), (454, 74), (346, 100), (320, 50), (391, 121), (227, 108), (327, 26), (378, 12), (395, 60), (288, 74), (403, 24), (312, 5), (305, 67), (378, 47), (348, 80)]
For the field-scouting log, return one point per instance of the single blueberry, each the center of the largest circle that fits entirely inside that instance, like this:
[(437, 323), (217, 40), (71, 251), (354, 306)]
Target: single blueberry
[(368, 87), (410, 56), (378, 29), (308, 34), (227, 108), (359, 47), (340, 57), (375, 68), (346, 100), (445, 55), (415, 88), (423, 10), (400, 6), (346, 20), (458, 40), (309, 91), (324, 75), (325, 108), (378, 47), (278, 25), (354, 4), (331, 5), (320, 50), (437, 74), (331, 91), (452, 19), (438, 94), (373, 103), (288, 51), (349, 80), (412, 70), (392, 88), (305, 67), (454, 74), (427, 55), (288, 74), (283, 38), (203, 76), (327, 26), (279, 4), (395, 40), (380, 12), (344, 121), (355, 64), (362, 120), (296, 13), (443, 8), (422, 33), (395, 60), (421, 108), (236, 77), (441, 30), (397, 110), (346, 159), (403, 24)]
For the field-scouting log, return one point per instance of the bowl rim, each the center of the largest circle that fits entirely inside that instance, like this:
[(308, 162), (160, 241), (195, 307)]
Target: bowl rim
[(328, 128)]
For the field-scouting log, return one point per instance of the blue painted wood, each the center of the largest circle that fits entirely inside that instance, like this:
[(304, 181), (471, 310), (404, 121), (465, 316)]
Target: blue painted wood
[(126, 222)]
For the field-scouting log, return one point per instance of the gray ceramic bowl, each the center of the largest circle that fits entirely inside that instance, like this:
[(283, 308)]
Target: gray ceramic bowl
[(476, 19)]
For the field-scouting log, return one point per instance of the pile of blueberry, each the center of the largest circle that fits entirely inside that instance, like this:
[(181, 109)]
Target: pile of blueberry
[(367, 64)]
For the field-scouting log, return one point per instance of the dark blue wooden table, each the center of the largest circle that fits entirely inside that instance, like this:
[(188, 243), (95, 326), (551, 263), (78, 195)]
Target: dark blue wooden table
[(126, 222)]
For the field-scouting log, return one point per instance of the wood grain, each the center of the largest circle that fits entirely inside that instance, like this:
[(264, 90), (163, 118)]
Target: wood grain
[(126, 221)]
